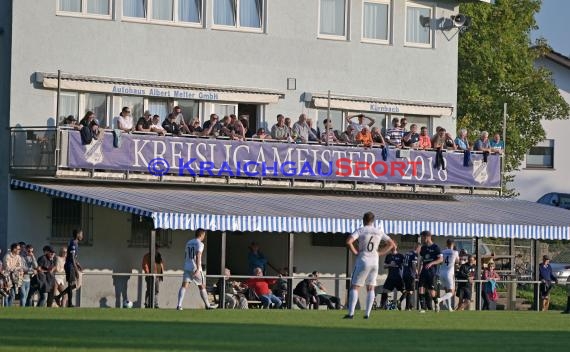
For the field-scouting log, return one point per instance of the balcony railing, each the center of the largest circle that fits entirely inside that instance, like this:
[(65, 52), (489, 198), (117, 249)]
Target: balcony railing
[(41, 151)]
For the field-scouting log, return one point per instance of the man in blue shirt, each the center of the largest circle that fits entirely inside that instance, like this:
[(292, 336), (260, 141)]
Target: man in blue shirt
[(431, 256), (394, 262), (496, 144), (255, 258), (546, 278), (72, 267)]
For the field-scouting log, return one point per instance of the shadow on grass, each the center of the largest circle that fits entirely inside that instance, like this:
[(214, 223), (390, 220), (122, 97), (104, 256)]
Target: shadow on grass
[(112, 335)]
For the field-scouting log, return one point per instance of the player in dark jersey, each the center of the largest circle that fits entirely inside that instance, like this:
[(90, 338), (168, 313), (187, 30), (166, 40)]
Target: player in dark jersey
[(394, 262), (72, 267), (430, 255), (410, 275)]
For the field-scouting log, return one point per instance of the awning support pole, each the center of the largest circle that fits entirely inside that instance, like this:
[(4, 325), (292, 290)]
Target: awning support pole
[(290, 266), (152, 262), (222, 282)]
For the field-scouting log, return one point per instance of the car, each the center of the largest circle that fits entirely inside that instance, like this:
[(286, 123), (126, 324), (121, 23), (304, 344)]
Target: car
[(561, 271), (561, 200)]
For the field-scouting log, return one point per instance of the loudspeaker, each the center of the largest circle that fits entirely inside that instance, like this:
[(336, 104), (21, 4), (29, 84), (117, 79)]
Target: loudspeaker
[(425, 21), (460, 21), (307, 97)]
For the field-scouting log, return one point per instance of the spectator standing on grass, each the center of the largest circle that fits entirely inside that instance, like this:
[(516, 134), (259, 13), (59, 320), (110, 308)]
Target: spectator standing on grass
[(30, 269), (193, 269), (14, 266), (46, 269), (156, 268), (546, 278), (490, 295), (60, 275), (366, 265), (466, 272), (72, 268)]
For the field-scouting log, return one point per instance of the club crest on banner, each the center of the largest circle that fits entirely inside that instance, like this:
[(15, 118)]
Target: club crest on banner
[(480, 174)]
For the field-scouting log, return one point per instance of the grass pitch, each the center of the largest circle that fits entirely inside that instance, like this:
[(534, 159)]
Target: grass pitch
[(267, 330)]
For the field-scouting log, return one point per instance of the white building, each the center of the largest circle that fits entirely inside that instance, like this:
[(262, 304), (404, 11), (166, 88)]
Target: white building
[(547, 165)]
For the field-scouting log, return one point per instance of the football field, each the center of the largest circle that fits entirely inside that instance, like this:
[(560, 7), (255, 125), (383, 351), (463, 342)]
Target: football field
[(282, 330)]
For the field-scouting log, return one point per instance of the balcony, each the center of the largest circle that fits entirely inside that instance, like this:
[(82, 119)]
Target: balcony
[(187, 159)]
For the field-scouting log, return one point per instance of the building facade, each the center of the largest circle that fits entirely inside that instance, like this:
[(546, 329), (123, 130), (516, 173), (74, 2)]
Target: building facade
[(546, 166)]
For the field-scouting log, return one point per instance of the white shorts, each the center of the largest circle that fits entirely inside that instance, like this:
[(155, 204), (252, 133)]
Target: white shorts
[(189, 277), (364, 274), (447, 281)]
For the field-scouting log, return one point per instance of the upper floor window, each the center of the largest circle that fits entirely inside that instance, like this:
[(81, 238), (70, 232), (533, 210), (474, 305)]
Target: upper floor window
[(541, 156), (97, 8), (244, 14), (376, 21), (333, 19), (416, 34), (174, 11)]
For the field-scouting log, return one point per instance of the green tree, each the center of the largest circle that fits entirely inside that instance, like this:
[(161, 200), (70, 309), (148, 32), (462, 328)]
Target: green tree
[(496, 66)]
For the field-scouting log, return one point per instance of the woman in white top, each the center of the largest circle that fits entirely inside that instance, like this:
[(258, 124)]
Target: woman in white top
[(60, 275)]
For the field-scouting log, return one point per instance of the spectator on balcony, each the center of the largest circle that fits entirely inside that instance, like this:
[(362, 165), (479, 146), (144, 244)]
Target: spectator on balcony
[(144, 123), (403, 124), (237, 129), (328, 135), (179, 118), (195, 127), (497, 145), (261, 288), (412, 138), (71, 122), (91, 132), (395, 134), (358, 125), (425, 140), (86, 120), (125, 120), (348, 135), (302, 131), (212, 126), (377, 138), (314, 136), (226, 128), (442, 140), (364, 137), (288, 123), (280, 131), (462, 142), (482, 144), (261, 134), (156, 126), (245, 122), (170, 125)]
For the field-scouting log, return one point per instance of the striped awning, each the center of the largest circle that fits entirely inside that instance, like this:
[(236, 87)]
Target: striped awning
[(287, 211)]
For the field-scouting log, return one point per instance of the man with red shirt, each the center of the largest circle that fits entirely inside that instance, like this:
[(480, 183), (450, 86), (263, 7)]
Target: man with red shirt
[(261, 288)]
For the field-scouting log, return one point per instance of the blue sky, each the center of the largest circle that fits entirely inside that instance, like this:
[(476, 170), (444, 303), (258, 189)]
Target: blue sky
[(554, 25)]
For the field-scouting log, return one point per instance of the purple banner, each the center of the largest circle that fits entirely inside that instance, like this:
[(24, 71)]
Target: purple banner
[(217, 157)]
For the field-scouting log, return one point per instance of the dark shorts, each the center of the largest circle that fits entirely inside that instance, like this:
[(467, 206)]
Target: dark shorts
[(394, 283), (545, 290), (464, 292), (428, 278), (70, 275), (409, 283)]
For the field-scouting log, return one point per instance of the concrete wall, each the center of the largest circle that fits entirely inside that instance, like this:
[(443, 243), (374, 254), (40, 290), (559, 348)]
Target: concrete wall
[(534, 183)]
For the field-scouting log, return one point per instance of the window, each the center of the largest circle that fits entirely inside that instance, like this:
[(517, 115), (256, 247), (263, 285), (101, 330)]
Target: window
[(173, 11), (189, 109), (140, 233), (332, 19), (68, 105), (85, 7), (97, 103), (158, 107), (415, 33), (328, 240), (337, 118), (376, 21), (68, 215), (224, 109), (541, 156), (244, 14)]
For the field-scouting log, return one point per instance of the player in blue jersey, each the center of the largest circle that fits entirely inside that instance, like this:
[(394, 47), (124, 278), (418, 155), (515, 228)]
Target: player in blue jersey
[(395, 281), (72, 267), (430, 255), (410, 275)]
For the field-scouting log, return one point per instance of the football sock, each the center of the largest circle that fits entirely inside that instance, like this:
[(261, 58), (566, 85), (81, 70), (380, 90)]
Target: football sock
[(352, 299), (383, 299), (428, 299), (409, 303), (447, 298), (370, 295), (422, 301), (204, 295), (181, 296)]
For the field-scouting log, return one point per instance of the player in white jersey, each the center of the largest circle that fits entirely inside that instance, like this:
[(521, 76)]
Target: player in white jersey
[(447, 273), (193, 269), (366, 266)]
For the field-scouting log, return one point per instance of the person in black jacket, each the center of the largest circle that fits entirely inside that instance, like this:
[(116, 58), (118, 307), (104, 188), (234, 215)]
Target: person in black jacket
[(170, 125), (306, 290), (466, 273)]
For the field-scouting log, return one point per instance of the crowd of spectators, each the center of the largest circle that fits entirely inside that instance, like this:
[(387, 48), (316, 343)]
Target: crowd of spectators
[(32, 281), (359, 130)]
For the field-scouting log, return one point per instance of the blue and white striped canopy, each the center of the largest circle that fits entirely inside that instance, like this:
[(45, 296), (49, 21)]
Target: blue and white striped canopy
[(264, 211)]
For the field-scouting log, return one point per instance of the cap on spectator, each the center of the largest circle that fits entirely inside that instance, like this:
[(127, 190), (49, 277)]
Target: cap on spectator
[(147, 113), (545, 257)]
